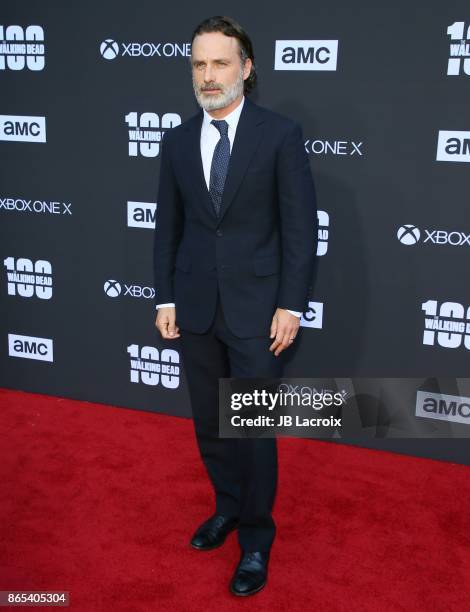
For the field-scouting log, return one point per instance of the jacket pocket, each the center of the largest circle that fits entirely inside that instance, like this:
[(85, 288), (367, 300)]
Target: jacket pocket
[(264, 266), (183, 261)]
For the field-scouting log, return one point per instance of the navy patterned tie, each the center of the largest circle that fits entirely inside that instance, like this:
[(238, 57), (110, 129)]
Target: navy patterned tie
[(219, 165)]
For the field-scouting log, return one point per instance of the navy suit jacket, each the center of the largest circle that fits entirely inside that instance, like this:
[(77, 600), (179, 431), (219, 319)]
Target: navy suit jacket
[(260, 251)]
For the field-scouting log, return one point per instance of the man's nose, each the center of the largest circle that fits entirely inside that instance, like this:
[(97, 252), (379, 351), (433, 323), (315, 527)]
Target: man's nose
[(208, 74)]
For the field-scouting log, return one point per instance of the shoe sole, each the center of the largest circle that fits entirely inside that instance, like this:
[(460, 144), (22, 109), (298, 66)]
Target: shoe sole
[(253, 592), (202, 548)]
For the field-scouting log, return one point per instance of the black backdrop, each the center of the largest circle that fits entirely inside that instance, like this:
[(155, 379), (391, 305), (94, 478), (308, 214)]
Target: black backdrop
[(76, 209)]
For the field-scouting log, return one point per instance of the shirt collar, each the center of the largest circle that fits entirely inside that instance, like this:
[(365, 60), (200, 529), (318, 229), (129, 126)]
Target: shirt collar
[(232, 118)]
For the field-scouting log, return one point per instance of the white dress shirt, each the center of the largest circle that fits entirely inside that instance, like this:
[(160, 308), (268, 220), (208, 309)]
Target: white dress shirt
[(210, 136)]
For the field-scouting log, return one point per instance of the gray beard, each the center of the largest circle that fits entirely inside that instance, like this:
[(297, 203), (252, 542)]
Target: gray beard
[(226, 97)]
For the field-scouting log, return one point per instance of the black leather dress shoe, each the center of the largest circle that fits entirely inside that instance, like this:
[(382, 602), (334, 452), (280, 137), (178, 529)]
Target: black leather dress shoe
[(213, 532), (251, 573)]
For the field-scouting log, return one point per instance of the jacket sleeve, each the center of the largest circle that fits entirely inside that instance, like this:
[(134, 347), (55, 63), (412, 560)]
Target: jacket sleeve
[(299, 224), (169, 220)]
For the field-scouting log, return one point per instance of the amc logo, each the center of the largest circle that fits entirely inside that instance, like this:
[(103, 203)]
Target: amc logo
[(313, 316), (30, 347), (453, 146), (306, 55), (22, 129)]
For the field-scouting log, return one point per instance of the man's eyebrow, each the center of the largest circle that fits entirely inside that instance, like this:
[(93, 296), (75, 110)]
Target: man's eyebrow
[(217, 59)]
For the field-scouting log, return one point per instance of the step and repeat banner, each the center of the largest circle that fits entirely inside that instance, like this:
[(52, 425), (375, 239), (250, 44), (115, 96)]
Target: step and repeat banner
[(88, 91)]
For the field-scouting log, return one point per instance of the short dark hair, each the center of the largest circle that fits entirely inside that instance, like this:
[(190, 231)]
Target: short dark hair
[(230, 27)]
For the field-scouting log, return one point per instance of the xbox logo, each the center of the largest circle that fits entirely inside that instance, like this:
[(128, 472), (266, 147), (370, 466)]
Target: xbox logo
[(109, 49), (112, 288), (408, 234)]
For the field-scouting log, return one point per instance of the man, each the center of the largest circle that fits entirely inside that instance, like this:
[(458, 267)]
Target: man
[(235, 242)]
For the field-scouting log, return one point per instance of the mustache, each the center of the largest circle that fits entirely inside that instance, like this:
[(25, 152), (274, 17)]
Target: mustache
[(212, 87)]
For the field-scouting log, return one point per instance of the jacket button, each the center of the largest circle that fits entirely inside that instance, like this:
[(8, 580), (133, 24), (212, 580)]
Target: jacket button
[(219, 232)]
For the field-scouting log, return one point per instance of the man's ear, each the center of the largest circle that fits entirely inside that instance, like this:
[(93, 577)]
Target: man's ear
[(247, 68)]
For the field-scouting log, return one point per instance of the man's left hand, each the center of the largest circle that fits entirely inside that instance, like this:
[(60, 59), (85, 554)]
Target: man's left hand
[(284, 328)]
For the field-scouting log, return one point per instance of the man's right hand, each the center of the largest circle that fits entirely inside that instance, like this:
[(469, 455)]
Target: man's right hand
[(165, 322)]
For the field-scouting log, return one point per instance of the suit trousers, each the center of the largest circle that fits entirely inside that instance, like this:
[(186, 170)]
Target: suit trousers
[(242, 471)]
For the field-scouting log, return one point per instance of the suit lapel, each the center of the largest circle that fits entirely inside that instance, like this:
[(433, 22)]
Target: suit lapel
[(247, 138), (194, 164)]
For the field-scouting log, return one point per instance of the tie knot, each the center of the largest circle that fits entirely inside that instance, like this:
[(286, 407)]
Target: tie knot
[(221, 125)]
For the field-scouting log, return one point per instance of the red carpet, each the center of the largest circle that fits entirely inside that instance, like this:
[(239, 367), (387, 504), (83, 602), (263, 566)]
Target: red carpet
[(101, 501)]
